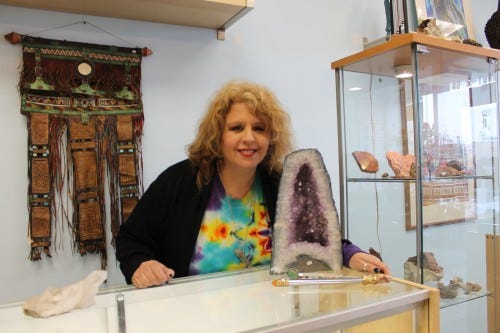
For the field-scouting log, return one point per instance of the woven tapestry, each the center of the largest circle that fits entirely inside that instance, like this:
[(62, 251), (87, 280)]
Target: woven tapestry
[(84, 117)]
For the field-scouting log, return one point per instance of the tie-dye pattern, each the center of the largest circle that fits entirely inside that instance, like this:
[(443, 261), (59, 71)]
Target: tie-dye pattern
[(231, 226)]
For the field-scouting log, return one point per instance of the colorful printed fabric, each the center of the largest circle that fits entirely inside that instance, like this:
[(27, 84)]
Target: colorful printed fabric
[(234, 233)]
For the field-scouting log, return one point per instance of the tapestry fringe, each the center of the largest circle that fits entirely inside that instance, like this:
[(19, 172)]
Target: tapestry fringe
[(138, 125), (113, 175), (58, 171)]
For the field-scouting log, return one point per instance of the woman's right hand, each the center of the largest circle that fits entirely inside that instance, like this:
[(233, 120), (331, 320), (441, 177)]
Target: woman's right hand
[(151, 273)]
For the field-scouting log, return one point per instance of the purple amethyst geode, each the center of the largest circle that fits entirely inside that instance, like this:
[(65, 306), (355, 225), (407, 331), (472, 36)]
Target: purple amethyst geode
[(306, 234)]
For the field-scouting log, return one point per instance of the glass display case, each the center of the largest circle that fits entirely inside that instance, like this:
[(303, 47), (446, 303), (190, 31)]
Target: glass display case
[(245, 301), (419, 172)]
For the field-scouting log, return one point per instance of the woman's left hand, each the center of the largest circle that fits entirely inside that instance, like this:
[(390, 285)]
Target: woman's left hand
[(365, 262)]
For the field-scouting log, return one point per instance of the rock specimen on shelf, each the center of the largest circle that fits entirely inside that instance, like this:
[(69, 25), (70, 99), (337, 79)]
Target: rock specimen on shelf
[(306, 233), (366, 161), (429, 27), (432, 271), (457, 165), (455, 284), (473, 286), (452, 168), (401, 164), (472, 42), (447, 291), (461, 284), (446, 171)]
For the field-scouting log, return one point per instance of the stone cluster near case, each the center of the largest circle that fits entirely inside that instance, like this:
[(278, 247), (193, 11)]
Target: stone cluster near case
[(404, 165), (432, 271)]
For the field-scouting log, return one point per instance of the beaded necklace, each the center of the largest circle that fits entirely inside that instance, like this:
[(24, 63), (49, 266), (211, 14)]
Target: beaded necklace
[(242, 252)]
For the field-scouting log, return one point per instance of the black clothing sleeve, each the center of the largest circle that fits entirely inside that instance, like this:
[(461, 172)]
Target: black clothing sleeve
[(164, 225)]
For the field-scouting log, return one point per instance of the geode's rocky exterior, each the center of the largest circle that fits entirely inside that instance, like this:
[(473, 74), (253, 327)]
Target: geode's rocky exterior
[(306, 233)]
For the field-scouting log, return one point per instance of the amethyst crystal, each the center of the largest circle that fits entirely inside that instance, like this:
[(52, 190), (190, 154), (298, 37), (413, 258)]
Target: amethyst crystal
[(306, 233), (309, 225)]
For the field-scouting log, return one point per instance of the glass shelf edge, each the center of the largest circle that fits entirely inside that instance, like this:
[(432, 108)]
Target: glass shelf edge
[(412, 180)]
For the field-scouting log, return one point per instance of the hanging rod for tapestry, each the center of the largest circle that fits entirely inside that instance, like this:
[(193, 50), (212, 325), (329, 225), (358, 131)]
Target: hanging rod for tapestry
[(16, 38)]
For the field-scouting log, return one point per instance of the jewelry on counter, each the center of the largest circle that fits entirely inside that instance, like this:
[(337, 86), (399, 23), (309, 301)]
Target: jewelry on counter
[(367, 279), (243, 255), (294, 274)]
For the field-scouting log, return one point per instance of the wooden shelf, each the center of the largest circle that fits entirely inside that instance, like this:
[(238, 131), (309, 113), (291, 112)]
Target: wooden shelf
[(211, 14), (382, 58)]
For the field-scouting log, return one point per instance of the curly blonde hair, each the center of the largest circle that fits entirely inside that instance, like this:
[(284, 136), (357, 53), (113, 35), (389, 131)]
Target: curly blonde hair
[(205, 151)]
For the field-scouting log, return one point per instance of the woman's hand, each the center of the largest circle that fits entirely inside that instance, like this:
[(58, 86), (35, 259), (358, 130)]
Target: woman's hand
[(151, 273), (366, 262)]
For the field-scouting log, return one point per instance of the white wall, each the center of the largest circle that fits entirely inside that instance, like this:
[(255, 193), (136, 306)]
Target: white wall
[(285, 44)]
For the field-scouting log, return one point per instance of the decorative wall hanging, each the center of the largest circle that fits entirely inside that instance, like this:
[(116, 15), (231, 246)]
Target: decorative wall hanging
[(84, 116)]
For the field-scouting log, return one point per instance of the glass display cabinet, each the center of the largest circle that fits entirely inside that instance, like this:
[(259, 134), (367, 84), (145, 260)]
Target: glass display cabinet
[(418, 134), (245, 301)]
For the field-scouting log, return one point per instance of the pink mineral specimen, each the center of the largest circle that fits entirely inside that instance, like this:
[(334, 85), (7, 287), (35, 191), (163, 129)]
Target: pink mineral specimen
[(366, 161), (400, 164)]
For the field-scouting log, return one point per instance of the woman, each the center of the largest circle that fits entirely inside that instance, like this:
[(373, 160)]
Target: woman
[(193, 219)]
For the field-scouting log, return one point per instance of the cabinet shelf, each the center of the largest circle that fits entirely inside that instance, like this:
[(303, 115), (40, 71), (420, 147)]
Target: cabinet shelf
[(382, 59), (211, 14), (462, 298), (412, 180)]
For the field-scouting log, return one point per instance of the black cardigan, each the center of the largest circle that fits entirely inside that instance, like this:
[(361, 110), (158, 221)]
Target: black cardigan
[(165, 223)]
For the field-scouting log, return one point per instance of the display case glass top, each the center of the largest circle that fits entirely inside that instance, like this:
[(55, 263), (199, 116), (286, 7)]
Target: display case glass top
[(241, 301)]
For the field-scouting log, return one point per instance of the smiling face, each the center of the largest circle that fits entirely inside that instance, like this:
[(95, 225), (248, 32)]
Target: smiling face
[(245, 139)]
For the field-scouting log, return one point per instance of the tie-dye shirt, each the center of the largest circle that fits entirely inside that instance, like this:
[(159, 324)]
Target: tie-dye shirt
[(234, 233)]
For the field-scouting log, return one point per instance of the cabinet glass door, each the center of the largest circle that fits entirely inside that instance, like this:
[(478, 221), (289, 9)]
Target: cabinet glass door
[(458, 149), (419, 168), (376, 130)]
